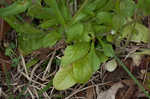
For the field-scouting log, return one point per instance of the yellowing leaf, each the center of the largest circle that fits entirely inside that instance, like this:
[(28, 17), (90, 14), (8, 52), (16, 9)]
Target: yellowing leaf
[(63, 78), (86, 66), (142, 34), (82, 70)]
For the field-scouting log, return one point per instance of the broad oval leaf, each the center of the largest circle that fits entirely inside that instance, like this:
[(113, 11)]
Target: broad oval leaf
[(118, 21), (50, 39), (74, 52), (86, 66), (100, 30), (74, 32), (63, 78), (82, 70), (104, 18)]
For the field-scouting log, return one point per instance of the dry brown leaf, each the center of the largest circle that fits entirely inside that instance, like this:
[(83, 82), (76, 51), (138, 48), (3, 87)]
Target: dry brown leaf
[(130, 91), (110, 93)]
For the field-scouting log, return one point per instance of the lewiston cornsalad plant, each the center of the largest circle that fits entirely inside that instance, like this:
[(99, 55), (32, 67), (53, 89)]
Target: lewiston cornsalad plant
[(89, 29)]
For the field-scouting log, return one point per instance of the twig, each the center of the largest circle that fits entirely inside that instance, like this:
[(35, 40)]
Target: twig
[(31, 79), (30, 93), (49, 65), (79, 90), (24, 64), (36, 93)]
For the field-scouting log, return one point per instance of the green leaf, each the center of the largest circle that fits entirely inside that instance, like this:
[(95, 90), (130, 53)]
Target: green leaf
[(31, 38), (50, 39), (79, 18), (82, 70), (63, 78), (102, 58), (53, 4), (48, 23), (144, 5), (101, 29), (107, 5), (142, 33), (99, 4), (94, 59), (64, 10), (87, 34), (118, 21), (127, 8), (39, 12), (74, 52), (74, 32), (108, 50), (86, 66), (22, 27), (31, 42), (93, 5), (104, 18), (15, 8)]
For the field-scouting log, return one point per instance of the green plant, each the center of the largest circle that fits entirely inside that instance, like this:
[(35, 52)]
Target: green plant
[(9, 51), (89, 32)]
